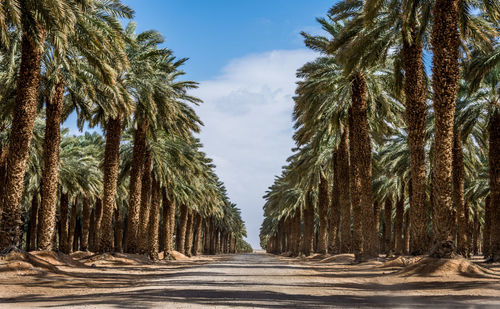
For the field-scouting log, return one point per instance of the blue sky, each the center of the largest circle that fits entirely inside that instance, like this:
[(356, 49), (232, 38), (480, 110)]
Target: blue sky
[(244, 54), (211, 33)]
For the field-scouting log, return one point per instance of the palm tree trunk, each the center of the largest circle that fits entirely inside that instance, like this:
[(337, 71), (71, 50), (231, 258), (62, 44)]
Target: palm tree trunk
[(168, 221), (344, 193), (96, 231), (298, 232), (33, 223), (206, 237), (376, 222), (198, 236), (78, 234), (293, 235), (180, 237), (154, 220), (323, 201), (361, 167), (110, 178), (458, 195), (308, 244), (50, 172), (487, 228), (3, 173), (172, 213), (334, 214), (23, 121), (217, 241), (72, 224), (63, 241), (388, 226), (145, 203), (188, 246), (135, 186), (85, 224), (407, 239), (92, 230), (416, 118), (494, 161), (476, 235), (398, 222), (118, 230), (212, 236), (445, 75)]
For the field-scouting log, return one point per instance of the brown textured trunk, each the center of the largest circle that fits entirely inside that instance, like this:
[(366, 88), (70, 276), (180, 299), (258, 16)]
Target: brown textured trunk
[(145, 203), (96, 231), (180, 237), (213, 235), (388, 227), (487, 228), (308, 243), (296, 226), (458, 195), (407, 239), (288, 226), (376, 222), (110, 178), (398, 222), (91, 230), (3, 173), (168, 221), (476, 236), (334, 214), (361, 166), (188, 246), (84, 246), (354, 187), (323, 203), (233, 244), (344, 193), (416, 118), (198, 235), (23, 121), (293, 235), (72, 224), (217, 241), (135, 186), (50, 172), (63, 240), (78, 234), (33, 223), (445, 75), (118, 230), (494, 160), (154, 220), (206, 237), (469, 231)]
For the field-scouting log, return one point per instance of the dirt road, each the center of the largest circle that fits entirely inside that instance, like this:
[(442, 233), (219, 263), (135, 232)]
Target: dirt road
[(249, 280)]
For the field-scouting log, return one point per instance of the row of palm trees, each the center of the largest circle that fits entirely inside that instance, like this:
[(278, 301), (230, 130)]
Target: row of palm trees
[(389, 159), (127, 190)]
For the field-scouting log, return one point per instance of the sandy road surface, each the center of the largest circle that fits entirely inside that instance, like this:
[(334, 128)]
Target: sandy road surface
[(249, 280)]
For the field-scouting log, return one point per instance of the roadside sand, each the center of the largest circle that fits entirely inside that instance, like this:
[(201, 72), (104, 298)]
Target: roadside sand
[(254, 280)]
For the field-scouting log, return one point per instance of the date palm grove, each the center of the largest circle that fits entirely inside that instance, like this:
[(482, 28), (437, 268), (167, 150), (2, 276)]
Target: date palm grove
[(394, 154), (142, 186)]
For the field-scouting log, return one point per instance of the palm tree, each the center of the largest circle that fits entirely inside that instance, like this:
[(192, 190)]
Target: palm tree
[(482, 72), (445, 77), (160, 103), (38, 21), (96, 38)]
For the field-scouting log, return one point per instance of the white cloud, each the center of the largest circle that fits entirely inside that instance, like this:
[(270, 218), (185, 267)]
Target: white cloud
[(248, 125)]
